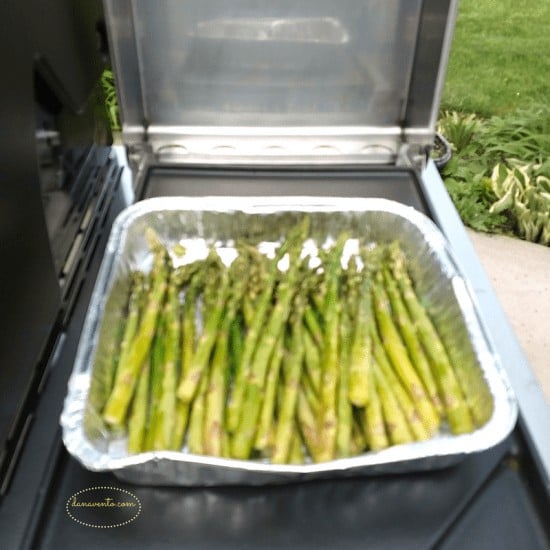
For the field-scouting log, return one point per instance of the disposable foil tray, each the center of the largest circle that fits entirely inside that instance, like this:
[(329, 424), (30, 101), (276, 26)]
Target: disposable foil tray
[(221, 220)]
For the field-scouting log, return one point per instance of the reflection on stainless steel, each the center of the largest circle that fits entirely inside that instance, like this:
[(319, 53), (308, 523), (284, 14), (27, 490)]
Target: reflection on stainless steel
[(221, 220), (320, 30), (258, 63)]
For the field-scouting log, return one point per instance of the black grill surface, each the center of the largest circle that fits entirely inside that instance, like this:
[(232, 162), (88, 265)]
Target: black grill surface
[(489, 500)]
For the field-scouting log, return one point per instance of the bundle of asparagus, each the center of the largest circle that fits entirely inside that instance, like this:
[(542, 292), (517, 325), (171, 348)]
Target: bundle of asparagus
[(290, 365)]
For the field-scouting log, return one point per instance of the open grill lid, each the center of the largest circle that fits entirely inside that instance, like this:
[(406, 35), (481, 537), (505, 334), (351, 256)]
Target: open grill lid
[(287, 81)]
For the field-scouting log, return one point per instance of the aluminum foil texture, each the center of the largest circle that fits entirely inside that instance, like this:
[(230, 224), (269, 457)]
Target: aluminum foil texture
[(196, 221)]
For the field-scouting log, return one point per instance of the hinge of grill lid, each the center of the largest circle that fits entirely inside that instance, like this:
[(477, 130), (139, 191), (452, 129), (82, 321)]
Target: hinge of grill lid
[(279, 145), (413, 155)]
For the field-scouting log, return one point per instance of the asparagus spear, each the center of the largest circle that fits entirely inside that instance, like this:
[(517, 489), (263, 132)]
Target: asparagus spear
[(138, 415), (403, 398), (296, 454), (396, 423), (215, 398), (113, 332), (292, 373), (268, 407), (188, 342), (117, 404), (244, 435), (315, 330), (255, 326), (358, 439), (155, 390), (361, 352), (410, 338), (165, 430), (311, 395), (458, 413), (373, 418), (188, 386), (236, 343), (195, 432), (308, 425), (216, 394), (312, 360), (398, 355), (330, 353), (345, 416)]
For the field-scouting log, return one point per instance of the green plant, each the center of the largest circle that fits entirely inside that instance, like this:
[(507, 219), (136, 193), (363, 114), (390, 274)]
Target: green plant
[(111, 101), (481, 144), (524, 191)]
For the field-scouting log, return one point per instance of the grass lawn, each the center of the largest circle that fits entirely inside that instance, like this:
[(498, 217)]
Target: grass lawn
[(495, 111), (500, 56)]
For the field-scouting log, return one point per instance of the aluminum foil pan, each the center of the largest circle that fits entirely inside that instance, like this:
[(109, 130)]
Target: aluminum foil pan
[(222, 219)]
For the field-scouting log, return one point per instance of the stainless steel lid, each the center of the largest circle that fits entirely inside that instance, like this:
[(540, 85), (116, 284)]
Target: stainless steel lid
[(290, 80)]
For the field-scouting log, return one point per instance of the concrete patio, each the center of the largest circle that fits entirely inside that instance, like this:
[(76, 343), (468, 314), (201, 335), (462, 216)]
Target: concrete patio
[(519, 272)]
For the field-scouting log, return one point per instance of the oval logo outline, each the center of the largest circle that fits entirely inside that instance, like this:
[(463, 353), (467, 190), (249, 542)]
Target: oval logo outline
[(107, 503)]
